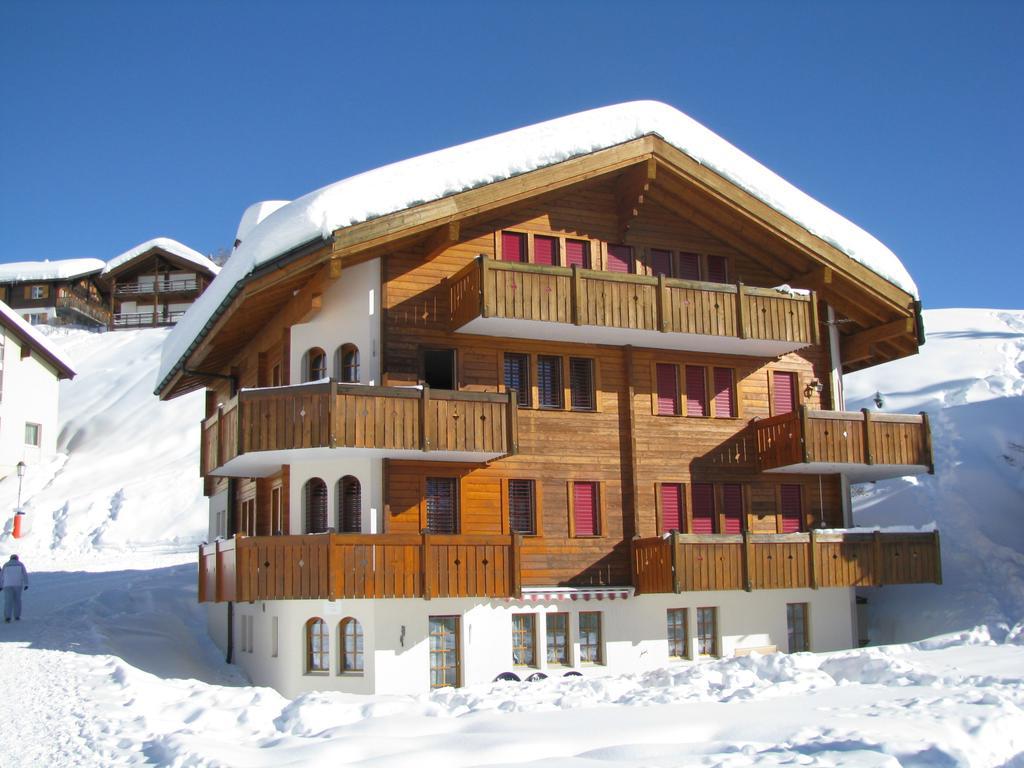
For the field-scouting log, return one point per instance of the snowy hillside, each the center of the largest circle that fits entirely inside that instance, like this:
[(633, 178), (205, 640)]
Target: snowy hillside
[(969, 376), (125, 488), (111, 665)]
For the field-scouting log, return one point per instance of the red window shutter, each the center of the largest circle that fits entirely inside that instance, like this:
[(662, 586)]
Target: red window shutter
[(696, 391), (732, 507), (620, 258), (581, 383), (792, 509), (671, 507), (661, 262), (784, 384), (725, 402), (545, 250), (513, 246), (577, 254), (703, 508), (668, 389), (689, 266), (584, 508), (718, 269)]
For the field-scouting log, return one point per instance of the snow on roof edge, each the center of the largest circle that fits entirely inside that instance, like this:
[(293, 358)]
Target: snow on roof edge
[(171, 246), (58, 269), (254, 214), (35, 338), (435, 175)]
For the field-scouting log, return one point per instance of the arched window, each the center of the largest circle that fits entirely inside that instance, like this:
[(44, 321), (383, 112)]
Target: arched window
[(350, 505), (351, 638), (318, 644), (346, 364), (314, 502), (314, 365)]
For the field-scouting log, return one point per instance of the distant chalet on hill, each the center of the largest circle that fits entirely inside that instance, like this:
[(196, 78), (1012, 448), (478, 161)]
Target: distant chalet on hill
[(150, 285), (564, 400)]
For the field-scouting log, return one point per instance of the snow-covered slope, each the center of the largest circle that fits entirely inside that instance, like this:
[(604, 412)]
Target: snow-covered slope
[(969, 376), (125, 487)]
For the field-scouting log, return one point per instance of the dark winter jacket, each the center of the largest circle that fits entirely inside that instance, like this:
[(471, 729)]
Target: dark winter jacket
[(13, 574)]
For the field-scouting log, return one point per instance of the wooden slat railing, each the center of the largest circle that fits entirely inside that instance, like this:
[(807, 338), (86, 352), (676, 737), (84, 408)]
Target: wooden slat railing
[(490, 288), (334, 566), (696, 562), (843, 437), (332, 415)]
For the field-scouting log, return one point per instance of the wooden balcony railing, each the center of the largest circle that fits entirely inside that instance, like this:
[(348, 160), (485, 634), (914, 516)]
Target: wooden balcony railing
[(487, 288), (145, 319), (93, 310), (185, 285), (841, 437), (332, 566), (332, 415), (694, 562)]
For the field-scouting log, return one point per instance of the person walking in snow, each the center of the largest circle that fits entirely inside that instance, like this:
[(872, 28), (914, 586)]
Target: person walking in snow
[(14, 581)]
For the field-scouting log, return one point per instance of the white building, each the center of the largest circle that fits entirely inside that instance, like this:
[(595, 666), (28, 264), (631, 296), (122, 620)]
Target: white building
[(31, 367)]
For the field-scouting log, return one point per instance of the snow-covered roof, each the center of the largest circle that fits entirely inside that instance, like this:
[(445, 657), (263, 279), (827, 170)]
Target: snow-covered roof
[(61, 269), (448, 171), (167, 244), (29, 335), (256, 213)]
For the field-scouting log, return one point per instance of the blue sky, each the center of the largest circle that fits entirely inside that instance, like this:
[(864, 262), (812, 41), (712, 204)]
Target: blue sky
[(122, 121)]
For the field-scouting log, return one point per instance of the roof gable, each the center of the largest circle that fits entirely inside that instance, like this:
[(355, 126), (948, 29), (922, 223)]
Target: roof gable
[(164, 245), (38, 343)]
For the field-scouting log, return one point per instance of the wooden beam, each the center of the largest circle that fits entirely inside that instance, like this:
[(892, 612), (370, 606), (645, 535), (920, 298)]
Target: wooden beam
[(858, 346), (817, 279), (630, 191), (334, 268), (441, 238)]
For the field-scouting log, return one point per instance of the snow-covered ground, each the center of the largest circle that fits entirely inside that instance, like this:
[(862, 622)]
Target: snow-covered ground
[(111, 665)]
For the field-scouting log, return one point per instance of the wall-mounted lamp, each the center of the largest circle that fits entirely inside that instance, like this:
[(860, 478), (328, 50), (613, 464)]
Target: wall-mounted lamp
[(813, 386), (879, 402), (401, 637)]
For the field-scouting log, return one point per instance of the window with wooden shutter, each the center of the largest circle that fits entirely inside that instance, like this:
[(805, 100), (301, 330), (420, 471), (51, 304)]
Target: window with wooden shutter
[(718, 269), (620, 258), (796, 627), (315, 503), (581, 383), (661, 262), (703, 520), (791, 500), (522, 508), (672, 514), (442, 505), (783, 392), (725, 398), (732, 508), (549, 381), (585, 509), (696, 391), (513, 246), (545, 250), (577, 254), (517, 377), (689, 266), (667, 381), (350, 505)]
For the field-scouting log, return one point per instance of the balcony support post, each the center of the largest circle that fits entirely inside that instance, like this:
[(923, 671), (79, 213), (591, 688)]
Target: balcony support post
[(425, 564), (577, 289), (515, 564), (748, 585), (815, 330), (805, 434), (926, 428), (876, 559), (661, 304), (512, 423), (741, 315), (812, 559), (425, 421), (677, 581), (869, 440), (482, 292), (332, 406), (938, 556)]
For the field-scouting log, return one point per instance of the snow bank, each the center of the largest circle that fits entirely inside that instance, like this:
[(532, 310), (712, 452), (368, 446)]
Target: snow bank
[(167, 244), (254, 214), (36, 337), (62, 269), (448, 171)]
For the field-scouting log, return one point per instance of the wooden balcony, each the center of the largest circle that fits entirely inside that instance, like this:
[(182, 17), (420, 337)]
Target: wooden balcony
[(250, 434), (92, 311), (332, 566), (138, 288), (145, 319), (696, 563), (864, 445), (535, 302)]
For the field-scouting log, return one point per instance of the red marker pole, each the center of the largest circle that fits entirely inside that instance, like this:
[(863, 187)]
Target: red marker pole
[(17, 523)]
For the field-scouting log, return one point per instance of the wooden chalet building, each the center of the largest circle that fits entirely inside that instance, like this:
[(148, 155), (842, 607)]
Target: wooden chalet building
[(579, 409), (154, 283), (61, 292)]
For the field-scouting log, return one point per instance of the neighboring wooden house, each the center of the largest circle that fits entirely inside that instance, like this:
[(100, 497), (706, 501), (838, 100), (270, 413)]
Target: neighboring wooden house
[(155, 282), (31, 367), (540, 403), (62, 292)]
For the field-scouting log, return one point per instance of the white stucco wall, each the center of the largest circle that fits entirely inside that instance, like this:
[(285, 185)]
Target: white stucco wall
[(29, 394), (350, 315), (396, 643), (368, 471)]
